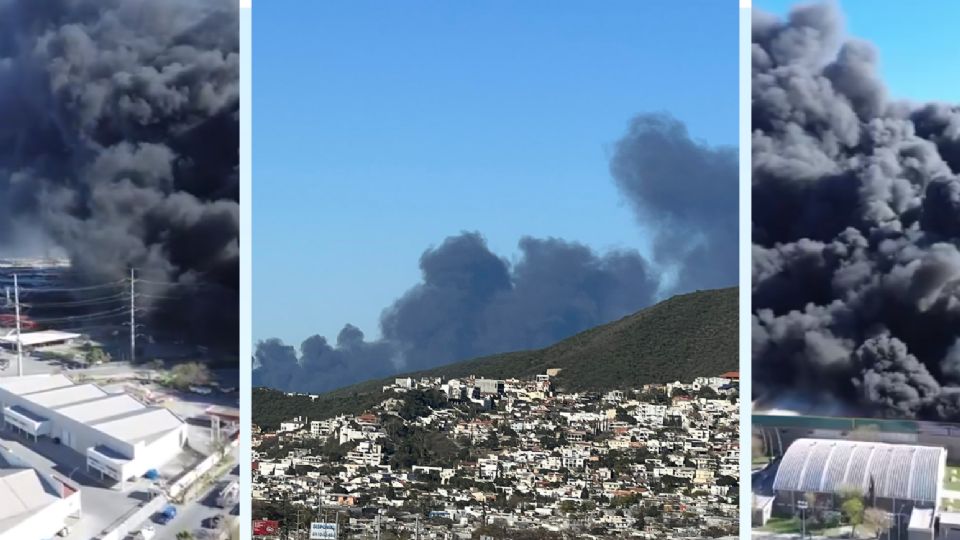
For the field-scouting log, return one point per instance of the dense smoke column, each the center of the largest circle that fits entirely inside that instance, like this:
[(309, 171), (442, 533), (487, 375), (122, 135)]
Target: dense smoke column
[(471, 302), (856, 227), (687, 193), (119, 146)]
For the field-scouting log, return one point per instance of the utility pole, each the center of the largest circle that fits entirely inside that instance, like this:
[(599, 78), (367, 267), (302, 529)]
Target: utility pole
[(418, 528), (378, 525), (133, 324), (16, 303)]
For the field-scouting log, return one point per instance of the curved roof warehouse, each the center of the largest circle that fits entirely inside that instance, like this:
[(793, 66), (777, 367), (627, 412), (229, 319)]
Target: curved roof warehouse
[(120, 437), (896, 471)]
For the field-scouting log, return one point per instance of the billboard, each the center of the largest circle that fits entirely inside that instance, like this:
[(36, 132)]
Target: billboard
[(323, 531), (265, 527)]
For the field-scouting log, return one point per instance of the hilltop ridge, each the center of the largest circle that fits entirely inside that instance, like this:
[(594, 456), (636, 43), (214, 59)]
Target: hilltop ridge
[(686, 336)]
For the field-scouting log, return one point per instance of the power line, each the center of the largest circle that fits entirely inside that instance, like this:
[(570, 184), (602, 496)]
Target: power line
[(84, 316), (196, 284), (78, 303), (72, 289)]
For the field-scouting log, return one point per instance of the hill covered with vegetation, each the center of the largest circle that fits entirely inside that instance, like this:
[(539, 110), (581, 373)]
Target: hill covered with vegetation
[(687, 336)]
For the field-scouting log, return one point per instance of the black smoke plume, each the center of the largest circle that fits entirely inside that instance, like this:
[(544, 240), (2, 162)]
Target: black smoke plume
[(119, 148), (472, 302), (686, 192), (856, 227)]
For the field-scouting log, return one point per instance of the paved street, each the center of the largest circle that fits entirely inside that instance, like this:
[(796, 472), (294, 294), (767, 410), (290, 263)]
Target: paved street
[(191, 516)]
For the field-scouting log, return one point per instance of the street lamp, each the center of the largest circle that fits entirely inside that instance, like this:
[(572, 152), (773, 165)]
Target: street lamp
[(802, 505)]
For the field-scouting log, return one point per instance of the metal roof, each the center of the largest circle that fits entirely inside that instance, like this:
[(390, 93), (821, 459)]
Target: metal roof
[(117, 415), (21, 492), (41, 337), (829, 466)]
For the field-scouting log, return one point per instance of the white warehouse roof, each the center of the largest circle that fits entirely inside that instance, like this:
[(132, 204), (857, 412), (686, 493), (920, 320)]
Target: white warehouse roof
[(828, 466), (21, 494), (117, 415), (43, 337)]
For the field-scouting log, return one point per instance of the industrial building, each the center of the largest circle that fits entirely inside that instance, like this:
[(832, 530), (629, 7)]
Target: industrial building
[(32, 504), (120, 437), (41, 338), (905, 480)]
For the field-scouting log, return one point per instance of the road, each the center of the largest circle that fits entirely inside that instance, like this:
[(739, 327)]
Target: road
[(192, 515)]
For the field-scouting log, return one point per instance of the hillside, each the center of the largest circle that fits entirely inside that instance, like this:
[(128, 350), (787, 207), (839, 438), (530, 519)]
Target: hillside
[(681, 338)]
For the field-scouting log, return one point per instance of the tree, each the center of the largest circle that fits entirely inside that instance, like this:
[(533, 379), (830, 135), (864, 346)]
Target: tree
[(852, 509), (184, 535), (96, 356), (190, 374), (877, 519)]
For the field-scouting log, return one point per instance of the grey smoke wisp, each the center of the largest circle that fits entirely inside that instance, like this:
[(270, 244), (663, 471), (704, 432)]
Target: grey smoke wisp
[(856, 226), (472, 302), (119, 142)]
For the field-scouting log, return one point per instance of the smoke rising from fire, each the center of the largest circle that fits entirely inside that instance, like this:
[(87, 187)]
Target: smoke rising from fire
[(472, 302), (119, 148), (856, 226)]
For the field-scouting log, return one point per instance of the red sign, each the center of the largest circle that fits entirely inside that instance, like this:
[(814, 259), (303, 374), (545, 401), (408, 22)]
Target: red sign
[(265, 527)]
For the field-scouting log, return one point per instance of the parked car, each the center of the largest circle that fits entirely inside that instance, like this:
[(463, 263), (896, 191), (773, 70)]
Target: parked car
[(166, 515), (147, 533), (213, 522)]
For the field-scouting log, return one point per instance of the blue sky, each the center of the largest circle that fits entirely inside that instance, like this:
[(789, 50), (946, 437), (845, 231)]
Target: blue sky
[(917, 42), (380, 128)]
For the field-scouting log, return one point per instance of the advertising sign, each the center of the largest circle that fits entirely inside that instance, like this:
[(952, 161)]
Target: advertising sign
[(265, 527), (323, 531)]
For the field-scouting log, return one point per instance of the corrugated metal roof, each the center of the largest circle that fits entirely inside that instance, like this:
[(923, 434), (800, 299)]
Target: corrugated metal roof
[(830, 466)]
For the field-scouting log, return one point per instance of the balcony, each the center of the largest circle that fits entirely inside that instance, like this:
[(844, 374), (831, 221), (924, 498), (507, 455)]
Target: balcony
[(26, 421)]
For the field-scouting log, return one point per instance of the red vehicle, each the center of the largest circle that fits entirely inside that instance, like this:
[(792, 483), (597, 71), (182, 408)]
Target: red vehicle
[(8, 320)]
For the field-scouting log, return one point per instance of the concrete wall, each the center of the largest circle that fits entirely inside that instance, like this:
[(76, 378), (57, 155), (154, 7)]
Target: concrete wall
[(158, 452), (177, 488)]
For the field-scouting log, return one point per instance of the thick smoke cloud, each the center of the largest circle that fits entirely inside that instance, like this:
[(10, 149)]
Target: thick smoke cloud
[(118, 147), (856, 227), (689, 191), (472, 302)]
